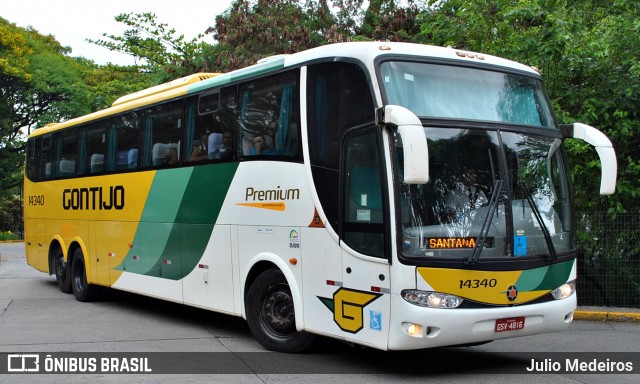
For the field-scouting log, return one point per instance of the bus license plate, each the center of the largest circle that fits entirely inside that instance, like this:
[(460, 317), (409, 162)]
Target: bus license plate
[(510, 324)]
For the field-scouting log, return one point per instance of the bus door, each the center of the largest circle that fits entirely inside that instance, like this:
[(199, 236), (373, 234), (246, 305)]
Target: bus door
[(362, 306)]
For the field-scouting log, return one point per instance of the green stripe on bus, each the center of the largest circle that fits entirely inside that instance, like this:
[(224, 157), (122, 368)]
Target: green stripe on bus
[(171, 243), (158, 215), (556, 276), (225, 78), (544, 278)]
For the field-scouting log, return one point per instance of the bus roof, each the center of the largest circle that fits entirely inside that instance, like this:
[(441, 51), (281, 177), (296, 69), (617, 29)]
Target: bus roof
[(369, 51), (366, 52)]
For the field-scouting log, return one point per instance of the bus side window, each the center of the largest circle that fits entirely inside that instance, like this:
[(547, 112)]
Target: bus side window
[(94, 147), (66, 152), (124, 138), (31, 167), (46, 158), (338, 98), (162, 136), (210, 126), (268, 120)]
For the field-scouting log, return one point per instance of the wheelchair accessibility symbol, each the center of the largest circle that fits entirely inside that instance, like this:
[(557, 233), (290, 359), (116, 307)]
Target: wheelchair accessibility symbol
[(520, 245), (375, 320)]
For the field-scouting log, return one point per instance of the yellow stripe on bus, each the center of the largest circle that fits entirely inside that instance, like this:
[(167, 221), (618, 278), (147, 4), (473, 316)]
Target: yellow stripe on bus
[(482, 286)]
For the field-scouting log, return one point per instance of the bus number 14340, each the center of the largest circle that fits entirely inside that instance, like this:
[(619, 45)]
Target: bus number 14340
[(476, 283)]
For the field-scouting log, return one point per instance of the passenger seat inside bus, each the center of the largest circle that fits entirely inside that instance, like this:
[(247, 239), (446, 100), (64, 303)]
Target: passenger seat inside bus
[(214, 143), (160, 153), (97, 162), (67, 168), (132, 158)]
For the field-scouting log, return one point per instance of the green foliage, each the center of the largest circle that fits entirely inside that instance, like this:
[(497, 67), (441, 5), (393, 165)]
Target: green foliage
[(13, 53), (106, 83), (251, 30), (8, 236), (10, 214), (158, 47), (40, 84), (609, 264), (43, 87)]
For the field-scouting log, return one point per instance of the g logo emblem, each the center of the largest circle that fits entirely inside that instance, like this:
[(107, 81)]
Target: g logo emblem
[(347, 306)]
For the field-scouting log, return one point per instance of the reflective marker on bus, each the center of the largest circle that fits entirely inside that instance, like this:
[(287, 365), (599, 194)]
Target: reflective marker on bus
[(393, 195)]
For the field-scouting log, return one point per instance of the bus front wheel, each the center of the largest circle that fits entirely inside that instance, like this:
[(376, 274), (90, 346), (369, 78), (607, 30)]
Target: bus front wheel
[(61, 269), (271, 315), (82, 290)]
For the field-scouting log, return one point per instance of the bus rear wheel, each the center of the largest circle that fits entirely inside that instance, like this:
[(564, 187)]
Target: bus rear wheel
[(63, 275), (82, 290), (271, 315)]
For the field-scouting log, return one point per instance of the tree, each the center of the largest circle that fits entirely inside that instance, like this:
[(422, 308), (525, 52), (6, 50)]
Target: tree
[(106, 83), (386, 20), (14, 72), (251, 30), (158, 47)]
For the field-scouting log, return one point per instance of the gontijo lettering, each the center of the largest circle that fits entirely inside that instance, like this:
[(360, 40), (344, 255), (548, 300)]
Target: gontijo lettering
[(93, 198)]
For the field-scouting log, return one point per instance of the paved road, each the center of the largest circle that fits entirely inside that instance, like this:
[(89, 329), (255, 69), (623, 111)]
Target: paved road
[(35, 317)]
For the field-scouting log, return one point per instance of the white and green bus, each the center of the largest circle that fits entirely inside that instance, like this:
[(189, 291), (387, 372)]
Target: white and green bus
[(318, 193)]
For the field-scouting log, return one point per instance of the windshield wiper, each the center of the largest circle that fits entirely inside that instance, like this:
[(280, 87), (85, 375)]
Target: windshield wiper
[(538, 216), (484, 231)]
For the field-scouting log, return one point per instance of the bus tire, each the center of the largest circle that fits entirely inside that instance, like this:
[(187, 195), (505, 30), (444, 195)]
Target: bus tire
[(271, 315), (62, 271), (82, 290)]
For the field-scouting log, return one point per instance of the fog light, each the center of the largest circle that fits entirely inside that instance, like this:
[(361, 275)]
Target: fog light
[(565, 290), (411, 329)]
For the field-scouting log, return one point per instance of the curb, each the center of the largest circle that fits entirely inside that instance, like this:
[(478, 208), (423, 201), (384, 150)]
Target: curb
[(616, 316)]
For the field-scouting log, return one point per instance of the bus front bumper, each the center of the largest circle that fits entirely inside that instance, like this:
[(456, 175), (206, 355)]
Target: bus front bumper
[(415, 327)]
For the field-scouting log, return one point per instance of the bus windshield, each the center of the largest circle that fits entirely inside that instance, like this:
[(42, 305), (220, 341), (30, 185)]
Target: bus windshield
[(482, 95), (507, 191)]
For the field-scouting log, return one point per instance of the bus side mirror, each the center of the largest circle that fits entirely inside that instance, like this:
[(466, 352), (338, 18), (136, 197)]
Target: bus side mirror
[(605, 151), (414, 142)]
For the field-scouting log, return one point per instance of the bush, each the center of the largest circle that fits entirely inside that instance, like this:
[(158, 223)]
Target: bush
[(4, 236)]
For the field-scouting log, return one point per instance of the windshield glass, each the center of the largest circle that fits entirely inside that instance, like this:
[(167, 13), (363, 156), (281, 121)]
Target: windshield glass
[(447, 217), (445, 91)]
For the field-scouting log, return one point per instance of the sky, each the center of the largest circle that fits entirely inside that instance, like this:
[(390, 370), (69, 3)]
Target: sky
[(71, 22)]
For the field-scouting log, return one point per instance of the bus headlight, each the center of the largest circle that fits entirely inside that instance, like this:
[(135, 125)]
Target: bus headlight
[(565, 290), (431, 299)]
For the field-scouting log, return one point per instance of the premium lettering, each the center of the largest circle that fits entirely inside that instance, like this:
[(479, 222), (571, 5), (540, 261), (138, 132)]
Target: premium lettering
[(271, 194), (93, 198)]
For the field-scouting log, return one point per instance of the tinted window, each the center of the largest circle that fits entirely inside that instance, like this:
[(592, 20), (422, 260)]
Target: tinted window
[(268, 119), (66, 143), (363, 218), (163, 126), (338, 98), (210, 131), (124, 138)]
